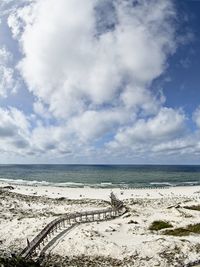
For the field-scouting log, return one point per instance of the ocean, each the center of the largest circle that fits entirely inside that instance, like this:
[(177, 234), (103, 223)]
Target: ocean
[(102, 176)]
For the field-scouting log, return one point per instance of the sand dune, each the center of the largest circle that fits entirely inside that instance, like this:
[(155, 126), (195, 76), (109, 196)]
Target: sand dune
[(126, 241)]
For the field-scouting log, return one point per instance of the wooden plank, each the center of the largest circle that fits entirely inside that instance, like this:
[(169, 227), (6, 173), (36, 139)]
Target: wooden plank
[(114, 211)]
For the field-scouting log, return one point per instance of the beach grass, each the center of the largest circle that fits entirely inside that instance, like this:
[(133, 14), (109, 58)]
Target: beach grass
[(17, 261), (159, 225), (181, 231), (194, 207)]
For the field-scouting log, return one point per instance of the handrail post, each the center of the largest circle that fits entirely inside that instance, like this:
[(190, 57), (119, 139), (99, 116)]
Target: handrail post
[(87, 216)]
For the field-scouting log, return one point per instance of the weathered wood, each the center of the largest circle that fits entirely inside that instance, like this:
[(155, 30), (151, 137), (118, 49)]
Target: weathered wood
[(85, 216)]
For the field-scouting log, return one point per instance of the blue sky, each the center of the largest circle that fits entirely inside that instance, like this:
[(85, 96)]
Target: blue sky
[(111, 82), (184, 65)]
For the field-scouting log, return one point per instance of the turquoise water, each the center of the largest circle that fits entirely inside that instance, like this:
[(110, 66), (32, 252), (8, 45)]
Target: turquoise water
[(110, 176)]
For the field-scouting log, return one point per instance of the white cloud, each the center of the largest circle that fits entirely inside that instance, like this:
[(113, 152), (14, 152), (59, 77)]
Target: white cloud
[(196, 117), (14, 130), (72, 67), (181, 145), (19, 138), (41, 110), (166, 125), (138, 98), (8, 83), (90, 66), (93, 125)]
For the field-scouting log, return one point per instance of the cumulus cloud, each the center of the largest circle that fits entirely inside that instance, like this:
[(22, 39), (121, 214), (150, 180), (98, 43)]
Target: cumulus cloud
[(8, 82), (93, 125), (73, 64), (180, 145), (196, 117), (14, 130), (17, 136), (90, 67), (166, 125), (41, 110)]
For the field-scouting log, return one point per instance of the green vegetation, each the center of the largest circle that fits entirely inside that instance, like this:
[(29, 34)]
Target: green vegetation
[(193, 228), (17, 262), (177, 232), (158, 225), (197, 207)]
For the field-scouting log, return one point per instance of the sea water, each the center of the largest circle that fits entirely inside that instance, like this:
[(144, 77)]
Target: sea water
[(103, 176)]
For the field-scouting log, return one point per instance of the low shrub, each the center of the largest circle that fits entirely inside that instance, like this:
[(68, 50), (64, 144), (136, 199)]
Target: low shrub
[(159, 225), (197, 207), (17, 262), (192, 228)]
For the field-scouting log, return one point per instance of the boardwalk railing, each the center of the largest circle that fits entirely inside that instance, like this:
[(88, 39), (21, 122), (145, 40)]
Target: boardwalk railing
[(50, 229)]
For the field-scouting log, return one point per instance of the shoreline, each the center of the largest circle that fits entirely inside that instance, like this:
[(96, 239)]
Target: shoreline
[(102, 185), (103, 193)]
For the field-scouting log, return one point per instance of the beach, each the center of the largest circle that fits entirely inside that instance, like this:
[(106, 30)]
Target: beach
[(124, 241)]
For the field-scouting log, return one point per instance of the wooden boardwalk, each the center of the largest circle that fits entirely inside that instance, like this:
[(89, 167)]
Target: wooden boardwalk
[(117, 208)]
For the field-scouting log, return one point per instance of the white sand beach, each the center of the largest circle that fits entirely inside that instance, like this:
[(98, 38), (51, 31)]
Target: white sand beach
[(125, 241)]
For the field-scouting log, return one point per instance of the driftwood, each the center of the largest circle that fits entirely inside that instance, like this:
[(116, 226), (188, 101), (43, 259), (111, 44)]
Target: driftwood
[(8, 187)]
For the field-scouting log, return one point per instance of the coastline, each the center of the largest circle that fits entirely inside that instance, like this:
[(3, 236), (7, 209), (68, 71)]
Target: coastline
[(27, 209), (103, 193)]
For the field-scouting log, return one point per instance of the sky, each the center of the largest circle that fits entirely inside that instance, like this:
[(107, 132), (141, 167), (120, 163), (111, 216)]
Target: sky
[(100, 81)]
